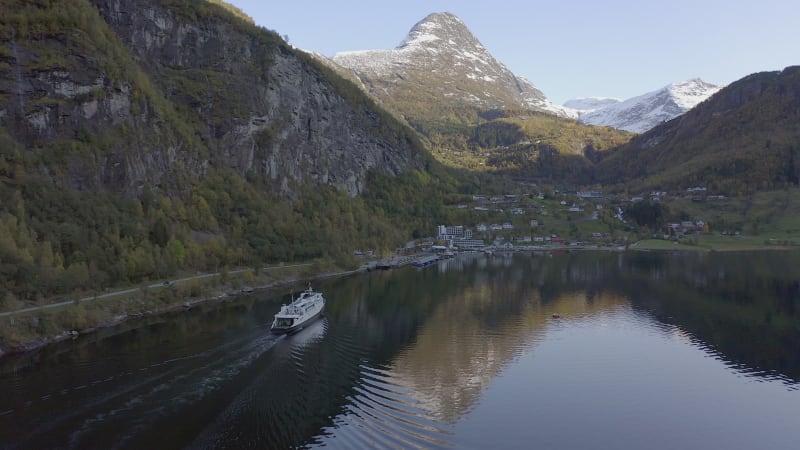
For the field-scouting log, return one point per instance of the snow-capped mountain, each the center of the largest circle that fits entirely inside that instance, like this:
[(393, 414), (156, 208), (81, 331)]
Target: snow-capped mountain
[(442, 61), (588, 104), (639, 114)]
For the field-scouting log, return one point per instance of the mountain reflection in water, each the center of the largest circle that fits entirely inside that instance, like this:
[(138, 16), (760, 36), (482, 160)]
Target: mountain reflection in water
[(601, 350)]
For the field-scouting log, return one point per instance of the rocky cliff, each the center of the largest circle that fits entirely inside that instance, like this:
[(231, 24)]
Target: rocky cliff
[(121, 94)]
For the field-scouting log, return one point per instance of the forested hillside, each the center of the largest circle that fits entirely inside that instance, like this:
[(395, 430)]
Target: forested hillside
[(541, 147), (142, 139), (742, 140)]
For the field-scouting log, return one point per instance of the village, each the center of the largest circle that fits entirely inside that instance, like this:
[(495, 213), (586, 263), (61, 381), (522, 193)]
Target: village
[(565, 220)]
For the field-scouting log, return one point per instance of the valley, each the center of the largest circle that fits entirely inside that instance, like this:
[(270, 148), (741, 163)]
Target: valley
[(146, 141)]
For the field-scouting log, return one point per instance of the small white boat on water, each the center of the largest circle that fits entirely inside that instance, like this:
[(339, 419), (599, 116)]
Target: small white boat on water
[(299, 313)]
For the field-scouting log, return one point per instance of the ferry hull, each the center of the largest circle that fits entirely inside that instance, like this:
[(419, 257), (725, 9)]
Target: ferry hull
[(298, 326)]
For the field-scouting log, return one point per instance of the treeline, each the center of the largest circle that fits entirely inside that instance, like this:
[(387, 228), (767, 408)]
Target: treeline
[(647, 213), (57, 241)]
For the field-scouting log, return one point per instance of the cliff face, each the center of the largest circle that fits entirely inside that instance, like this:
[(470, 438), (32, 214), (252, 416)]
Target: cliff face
[(73, 116), (152, 93)]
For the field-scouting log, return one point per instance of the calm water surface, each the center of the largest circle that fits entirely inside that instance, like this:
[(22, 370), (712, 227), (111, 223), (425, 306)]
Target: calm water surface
[(657, 351)]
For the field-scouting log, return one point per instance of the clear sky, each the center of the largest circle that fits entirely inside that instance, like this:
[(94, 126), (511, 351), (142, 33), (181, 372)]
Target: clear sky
[(568, 48)]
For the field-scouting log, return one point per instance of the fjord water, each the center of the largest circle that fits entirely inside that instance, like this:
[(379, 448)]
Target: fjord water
[(572, 350)]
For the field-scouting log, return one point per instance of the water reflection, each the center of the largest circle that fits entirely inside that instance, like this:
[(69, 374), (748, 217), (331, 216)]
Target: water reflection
[(459, 352), (440, 357), (743, 307)]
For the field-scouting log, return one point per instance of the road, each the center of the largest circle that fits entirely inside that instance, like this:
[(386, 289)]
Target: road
[(131, 290)]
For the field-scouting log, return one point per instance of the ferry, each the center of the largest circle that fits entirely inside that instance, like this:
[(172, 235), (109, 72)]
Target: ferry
[(299, 313)]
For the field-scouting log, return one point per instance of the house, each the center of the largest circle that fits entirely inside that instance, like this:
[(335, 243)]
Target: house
[(481, 227), (495, 227), (534, 223), (508, 226), (590, 194), (469, 244)]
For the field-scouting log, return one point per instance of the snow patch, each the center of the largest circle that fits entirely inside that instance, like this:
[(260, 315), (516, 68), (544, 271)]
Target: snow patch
[(442, 41), (641, 113)]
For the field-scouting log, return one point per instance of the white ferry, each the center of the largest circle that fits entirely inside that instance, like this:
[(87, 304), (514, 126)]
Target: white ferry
[(299, 313)]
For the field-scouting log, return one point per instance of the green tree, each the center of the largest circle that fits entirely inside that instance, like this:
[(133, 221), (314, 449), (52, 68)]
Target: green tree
[(647, 213)]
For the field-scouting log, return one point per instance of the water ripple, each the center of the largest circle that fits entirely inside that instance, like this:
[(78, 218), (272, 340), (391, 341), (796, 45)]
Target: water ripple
[(383, 413)]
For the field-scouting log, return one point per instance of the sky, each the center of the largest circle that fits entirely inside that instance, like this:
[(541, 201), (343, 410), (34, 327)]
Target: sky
[(568, 49)]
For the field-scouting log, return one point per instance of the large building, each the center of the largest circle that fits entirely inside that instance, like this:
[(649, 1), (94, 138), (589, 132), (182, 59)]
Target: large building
[(458, 236), (445, 233)]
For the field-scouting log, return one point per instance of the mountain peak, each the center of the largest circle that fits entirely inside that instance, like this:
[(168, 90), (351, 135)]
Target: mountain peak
[(641, 113), (439, 29), (687, 94), (441, 59)]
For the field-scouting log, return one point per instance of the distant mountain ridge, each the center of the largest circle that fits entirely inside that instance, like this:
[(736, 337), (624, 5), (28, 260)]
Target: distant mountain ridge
[(741, 140), (588, 104), (441, 60), (641, 113)]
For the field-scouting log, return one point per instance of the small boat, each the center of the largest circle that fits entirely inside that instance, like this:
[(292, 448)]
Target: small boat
[(299, 313)]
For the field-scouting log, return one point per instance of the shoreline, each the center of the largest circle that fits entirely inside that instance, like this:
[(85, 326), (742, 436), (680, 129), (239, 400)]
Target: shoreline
[(227, 295), (230, 293)]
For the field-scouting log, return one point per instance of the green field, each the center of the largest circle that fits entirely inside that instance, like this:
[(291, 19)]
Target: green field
[(718, 242)]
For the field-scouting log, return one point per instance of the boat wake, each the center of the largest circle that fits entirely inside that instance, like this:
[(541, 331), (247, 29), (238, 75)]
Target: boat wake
[(130, 402)]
